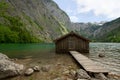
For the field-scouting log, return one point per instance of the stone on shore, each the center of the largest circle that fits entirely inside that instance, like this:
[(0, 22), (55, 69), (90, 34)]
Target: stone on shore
[(36, 68), (82, 74), (9, 68), (72, 73), (29, 72)]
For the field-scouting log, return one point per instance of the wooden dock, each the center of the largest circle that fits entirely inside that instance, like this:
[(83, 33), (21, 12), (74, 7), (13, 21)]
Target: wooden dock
[(88, 64)]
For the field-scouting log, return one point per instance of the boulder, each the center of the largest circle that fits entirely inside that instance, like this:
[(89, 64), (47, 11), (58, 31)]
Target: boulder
[(29, 72), (9, 68), (36, 68), (82, 74), (101, 55)]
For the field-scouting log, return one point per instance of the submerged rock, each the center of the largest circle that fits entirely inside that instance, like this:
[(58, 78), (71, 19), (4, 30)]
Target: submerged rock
[(9, 68), (82, 74), (101, 55), (29, 72)]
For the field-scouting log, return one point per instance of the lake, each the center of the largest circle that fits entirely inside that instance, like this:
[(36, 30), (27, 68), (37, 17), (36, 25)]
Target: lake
[(46, 52), (23, 50)]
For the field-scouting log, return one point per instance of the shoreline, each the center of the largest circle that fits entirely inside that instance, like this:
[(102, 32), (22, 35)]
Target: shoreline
[(57, 69)]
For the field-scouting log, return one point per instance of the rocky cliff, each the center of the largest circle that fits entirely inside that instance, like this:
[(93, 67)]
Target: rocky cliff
[(41, 20)]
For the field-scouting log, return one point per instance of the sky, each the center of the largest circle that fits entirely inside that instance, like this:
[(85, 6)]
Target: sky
[(90, 10)]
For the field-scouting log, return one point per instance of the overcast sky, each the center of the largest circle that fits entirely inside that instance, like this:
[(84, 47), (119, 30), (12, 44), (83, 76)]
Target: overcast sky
[(90, 10)]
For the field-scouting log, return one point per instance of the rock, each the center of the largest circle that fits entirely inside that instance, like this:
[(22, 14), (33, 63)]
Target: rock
[(45, 68), (29, 72), (114, 75), (100, 76), (3, 56), (101, 55), (9, 68), (36, 68), (82, 74), (72, 73), (66, 71), (70, 67)]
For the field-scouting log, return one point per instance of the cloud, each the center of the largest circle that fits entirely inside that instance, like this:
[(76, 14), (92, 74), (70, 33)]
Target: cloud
[(74, 19), (108, 8)]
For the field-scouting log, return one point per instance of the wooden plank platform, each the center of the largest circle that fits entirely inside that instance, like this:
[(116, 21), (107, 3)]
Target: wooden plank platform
[(88, 64)]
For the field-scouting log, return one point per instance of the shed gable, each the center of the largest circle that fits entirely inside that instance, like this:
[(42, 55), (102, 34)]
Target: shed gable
[(71, 34)]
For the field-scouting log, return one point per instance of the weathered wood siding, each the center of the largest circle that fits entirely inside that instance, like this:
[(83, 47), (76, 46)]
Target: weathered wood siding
[(61, 46), (72, 43)]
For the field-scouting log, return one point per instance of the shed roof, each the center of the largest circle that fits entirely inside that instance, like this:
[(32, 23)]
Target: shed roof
[(69, 34)]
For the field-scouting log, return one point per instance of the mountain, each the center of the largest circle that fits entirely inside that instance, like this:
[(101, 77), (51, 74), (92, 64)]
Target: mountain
[(102, 32), (109, 32), (43, 21), (85, 29), (31, 21)]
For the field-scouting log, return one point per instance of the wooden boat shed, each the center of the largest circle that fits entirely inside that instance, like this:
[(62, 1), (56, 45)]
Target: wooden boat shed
[(72, 42)]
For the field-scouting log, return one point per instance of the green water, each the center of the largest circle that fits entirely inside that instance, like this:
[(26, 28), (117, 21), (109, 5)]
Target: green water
[(25, 50)]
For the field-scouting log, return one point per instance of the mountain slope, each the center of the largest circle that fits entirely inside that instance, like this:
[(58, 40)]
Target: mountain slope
[(31, 21), (43, 21), (85, 29), (109, 32)]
